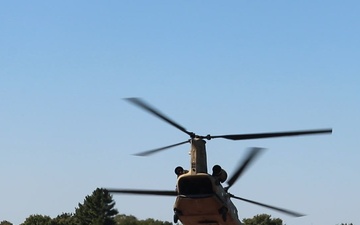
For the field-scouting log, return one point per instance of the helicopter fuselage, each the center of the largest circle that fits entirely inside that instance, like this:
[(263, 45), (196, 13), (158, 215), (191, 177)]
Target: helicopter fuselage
[(202, 200)]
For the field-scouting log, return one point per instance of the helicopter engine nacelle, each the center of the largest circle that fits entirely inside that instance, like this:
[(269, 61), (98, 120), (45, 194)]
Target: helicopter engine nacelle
[(179, 171), (219, 173)]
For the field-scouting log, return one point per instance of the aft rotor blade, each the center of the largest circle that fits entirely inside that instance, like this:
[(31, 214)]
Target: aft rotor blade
[(253, 153), (149, 152), (272, 134), (286, 211), (140, 103), (143, 192)]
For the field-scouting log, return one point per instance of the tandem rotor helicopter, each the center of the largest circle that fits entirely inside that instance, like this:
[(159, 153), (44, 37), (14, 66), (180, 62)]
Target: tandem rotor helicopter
[(201, 199)]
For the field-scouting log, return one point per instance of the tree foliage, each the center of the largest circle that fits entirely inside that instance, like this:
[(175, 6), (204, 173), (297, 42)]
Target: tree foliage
[(151, 221), (132, 220), (37, 220), (262, 219), (5, 222), (97, 209), (123, 219), (64, 219)]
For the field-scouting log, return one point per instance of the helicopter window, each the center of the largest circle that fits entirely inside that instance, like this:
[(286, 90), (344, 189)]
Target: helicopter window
[(195, 186)]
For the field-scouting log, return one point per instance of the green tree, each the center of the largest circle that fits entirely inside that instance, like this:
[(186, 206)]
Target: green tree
[(97, 209), (153, 222), (5, 222), (132, 220), (37, 220), (123, 219), (64, 219), (262, 219)]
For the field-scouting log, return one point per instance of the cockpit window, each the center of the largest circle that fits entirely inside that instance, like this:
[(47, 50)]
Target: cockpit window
[(195, 185)]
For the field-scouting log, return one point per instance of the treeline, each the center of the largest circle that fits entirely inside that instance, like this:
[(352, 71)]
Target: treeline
[(70, 219), (98, 209)]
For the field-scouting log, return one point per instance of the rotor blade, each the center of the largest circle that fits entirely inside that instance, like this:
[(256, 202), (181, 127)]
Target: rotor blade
[(149, 152), (157, 113), (143, 192), (253, 153), (272, 134), (286, 211)]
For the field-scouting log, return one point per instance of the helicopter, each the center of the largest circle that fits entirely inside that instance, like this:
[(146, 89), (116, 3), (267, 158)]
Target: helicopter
[(201, 198)]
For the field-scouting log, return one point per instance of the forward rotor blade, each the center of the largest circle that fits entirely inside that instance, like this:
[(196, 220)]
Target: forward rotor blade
[(140, 103), (271, 135), (143, 192), (253, 153), (286, 211), (146, 153)]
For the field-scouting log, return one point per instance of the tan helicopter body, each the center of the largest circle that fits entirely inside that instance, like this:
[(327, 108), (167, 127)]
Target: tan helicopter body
[(211, 205), (200, 197)]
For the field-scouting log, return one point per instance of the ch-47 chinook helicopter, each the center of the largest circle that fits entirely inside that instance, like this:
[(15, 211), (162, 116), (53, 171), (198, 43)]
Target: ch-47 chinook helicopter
[(201, 199)]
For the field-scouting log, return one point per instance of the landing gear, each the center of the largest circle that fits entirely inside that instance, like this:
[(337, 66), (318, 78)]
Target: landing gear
[(176, 218), (176, 215)]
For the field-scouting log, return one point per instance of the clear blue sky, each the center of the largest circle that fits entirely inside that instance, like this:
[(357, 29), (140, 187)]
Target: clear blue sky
[(214, 67)]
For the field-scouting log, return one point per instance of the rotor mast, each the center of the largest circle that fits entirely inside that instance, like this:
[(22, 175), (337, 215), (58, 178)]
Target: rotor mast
[(198, 156)]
